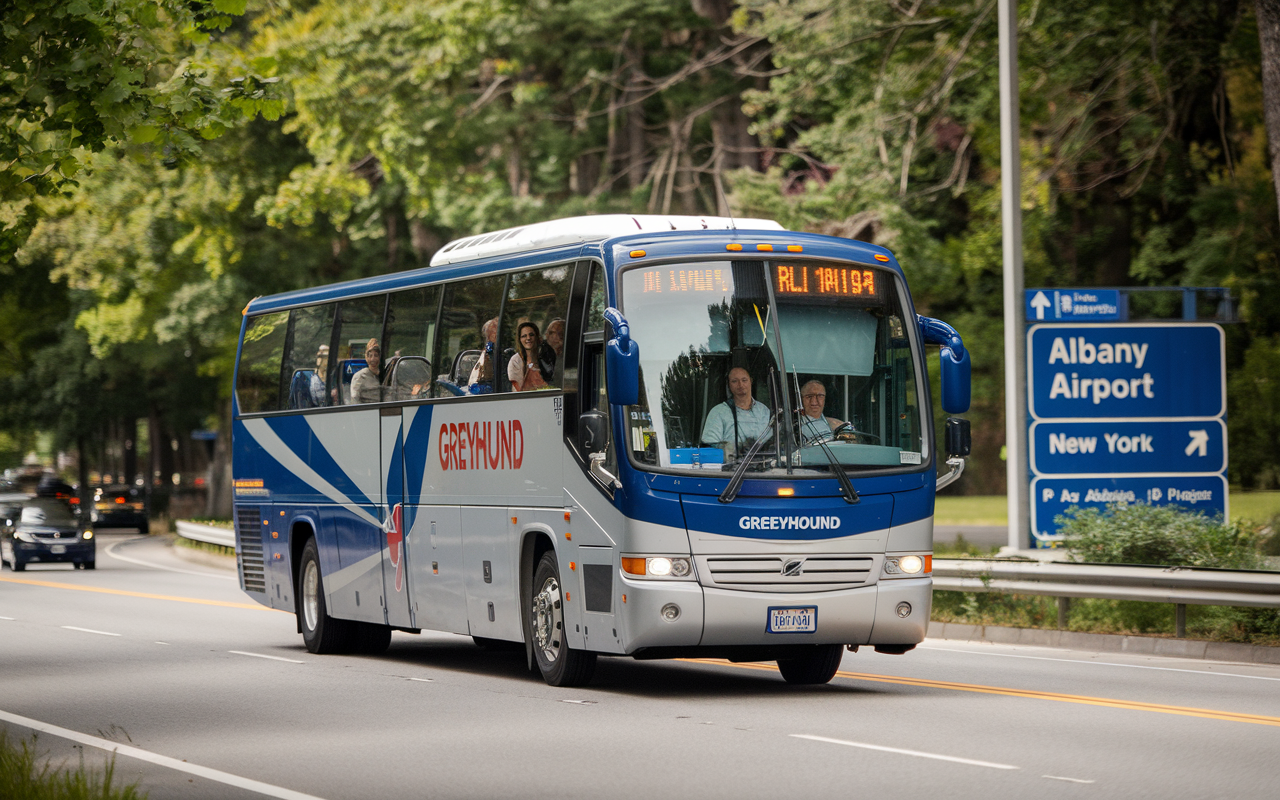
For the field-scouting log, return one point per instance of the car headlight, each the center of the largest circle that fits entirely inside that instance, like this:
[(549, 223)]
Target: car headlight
[(909, 565), (23, 536), (88, 533), (669, 567)]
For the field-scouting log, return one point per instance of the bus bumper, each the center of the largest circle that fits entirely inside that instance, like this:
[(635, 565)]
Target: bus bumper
[(720, 617)]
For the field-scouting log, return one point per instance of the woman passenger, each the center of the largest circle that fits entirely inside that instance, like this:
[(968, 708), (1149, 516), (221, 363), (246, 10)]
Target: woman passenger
[(523, 370)]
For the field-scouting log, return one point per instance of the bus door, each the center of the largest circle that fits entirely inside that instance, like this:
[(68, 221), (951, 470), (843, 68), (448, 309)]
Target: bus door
[(396, 519)]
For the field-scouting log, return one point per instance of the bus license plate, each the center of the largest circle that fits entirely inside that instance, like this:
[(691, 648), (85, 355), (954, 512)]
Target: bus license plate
[(803, 619), (58, 549)]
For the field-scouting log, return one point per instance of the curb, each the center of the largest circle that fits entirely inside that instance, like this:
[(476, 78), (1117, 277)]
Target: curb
[(203, 557), (1108, 643)]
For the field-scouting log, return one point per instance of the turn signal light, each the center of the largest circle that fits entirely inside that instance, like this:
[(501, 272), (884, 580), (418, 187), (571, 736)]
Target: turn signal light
[(734, 247), (882, 258), (637, 254), (786, 492), (633, 566)]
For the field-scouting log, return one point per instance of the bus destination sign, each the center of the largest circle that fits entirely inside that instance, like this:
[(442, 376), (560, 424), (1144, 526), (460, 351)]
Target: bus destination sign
[(824, 280)]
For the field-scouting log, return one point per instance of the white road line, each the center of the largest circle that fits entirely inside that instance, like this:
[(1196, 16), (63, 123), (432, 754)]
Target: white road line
[(900, 751), (11, 619), (162, 643), (154, 758), (89, 630), (111, 551), (1102, 663), (424, 680), (260, 655), (1068, 780)]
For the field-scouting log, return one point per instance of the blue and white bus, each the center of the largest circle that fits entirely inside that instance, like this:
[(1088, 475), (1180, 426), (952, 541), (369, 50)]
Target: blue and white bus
[(641, 436)]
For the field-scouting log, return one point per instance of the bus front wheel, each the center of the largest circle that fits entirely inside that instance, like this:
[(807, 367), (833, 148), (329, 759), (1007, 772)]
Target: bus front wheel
[(322, 633), (816, 666), (559, 664)]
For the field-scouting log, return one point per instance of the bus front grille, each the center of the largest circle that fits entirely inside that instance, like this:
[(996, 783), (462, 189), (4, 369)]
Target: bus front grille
[(806, 573), (249, 549)]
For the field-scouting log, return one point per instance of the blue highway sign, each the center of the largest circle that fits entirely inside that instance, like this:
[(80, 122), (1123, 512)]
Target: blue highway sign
[(1052, 496), (1126, 371), (1122, 447), (1073, 305)]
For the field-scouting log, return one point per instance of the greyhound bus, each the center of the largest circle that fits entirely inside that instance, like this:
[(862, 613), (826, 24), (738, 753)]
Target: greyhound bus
[(644, 436)]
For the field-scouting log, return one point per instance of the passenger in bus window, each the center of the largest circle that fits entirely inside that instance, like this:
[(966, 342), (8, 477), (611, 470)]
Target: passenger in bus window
[(739, 421), (317, 378), (524, 369), (366, 385), (481, 380), (814, 425), (551, 354)]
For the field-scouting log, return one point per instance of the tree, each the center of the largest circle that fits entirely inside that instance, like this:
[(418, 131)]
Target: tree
[(1268, 12), (87, 74)]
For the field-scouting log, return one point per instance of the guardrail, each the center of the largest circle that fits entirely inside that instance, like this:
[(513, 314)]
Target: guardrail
[(1181, 586), (210, 534)]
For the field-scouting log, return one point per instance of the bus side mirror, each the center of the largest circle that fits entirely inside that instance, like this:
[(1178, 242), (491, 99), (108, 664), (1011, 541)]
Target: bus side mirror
[(959, 442), (593, 432), (621, 361), (954, 360)]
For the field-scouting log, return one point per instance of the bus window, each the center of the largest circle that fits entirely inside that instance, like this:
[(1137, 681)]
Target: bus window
[(410, 339), (307, 360), (259, 376), (596, 301), (465, 361), (540, 297), (359, 332)]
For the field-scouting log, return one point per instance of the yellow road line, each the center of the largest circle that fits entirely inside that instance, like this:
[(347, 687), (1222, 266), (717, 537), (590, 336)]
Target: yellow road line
[(100, 590), (1132, 705)]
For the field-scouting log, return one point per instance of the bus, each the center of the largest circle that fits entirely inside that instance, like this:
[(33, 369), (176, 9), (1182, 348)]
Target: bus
[(643, 436)]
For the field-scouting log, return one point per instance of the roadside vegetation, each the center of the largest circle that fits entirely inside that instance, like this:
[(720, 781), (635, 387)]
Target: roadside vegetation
[(1135, 534), (26, 775)]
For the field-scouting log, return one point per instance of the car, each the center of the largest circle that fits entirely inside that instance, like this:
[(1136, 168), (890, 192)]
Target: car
[(45, 530), (120, 507)]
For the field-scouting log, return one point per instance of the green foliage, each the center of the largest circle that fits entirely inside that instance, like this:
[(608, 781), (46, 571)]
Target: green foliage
[(1253, 392), (25, 774), (1137, 533)]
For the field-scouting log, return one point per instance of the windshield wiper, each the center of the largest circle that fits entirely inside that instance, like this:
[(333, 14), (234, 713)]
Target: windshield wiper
[(847, 491), (735, 483)]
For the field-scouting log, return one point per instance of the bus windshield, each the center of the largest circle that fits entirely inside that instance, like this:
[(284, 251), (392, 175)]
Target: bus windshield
[(726, 344)]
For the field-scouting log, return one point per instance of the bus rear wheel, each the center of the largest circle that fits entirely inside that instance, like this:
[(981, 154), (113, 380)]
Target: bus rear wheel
[(320, 632), (559, 664), (817, 666)]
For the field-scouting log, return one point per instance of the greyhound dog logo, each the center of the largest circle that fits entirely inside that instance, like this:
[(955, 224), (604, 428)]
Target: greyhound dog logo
[(395, 542)]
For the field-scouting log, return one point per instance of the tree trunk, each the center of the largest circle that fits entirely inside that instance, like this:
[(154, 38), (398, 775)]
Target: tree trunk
[(1268, 12), (82, 476), (220, 468)]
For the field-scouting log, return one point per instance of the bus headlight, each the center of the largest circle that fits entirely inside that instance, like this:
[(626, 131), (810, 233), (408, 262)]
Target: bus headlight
[(668, 567), (902, 566)]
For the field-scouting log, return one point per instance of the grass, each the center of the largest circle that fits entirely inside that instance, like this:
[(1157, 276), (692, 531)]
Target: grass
[(993, 509), (1214, 623), (25, 774)]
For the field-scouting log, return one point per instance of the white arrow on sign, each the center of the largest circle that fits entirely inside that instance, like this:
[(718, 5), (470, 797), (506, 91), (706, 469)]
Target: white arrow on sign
[(1040, 303), (1199, 443)]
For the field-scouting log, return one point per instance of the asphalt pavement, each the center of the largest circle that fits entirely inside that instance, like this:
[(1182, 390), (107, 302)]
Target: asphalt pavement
[(205, 694)]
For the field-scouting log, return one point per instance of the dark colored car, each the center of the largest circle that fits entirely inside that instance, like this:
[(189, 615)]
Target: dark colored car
[(45, 530), (120, 507)]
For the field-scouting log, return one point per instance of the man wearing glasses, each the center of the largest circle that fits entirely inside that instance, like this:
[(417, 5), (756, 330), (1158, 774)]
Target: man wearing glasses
[(814, 425)]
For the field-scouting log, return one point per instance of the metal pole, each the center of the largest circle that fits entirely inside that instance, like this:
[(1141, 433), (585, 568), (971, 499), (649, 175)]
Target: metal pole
[(1015, 343)]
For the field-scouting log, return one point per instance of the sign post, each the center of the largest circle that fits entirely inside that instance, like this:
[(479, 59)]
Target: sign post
[(1131, 412)]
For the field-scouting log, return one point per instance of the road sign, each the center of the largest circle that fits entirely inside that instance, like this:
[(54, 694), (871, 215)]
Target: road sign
[(1126, 371), (1125, 413), (1052, 496), (1073, 305), (1123, 447)]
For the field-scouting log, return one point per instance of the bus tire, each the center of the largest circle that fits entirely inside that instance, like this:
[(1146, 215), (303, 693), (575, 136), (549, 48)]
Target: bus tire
[(321, 633), (371, 639), (559, 664), (817, 666)]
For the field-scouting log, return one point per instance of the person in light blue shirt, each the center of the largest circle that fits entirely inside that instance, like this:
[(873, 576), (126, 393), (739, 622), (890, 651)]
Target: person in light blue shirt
[(814, 425), (738, 422)]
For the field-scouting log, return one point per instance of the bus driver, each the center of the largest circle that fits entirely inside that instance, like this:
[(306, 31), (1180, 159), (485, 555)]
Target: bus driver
[(814, 426), (736, 423)]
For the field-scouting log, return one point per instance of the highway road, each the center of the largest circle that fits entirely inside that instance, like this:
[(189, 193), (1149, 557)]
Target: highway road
[(209, 695)]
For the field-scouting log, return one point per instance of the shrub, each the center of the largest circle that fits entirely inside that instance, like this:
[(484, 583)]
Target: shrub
[(1137, 533)]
